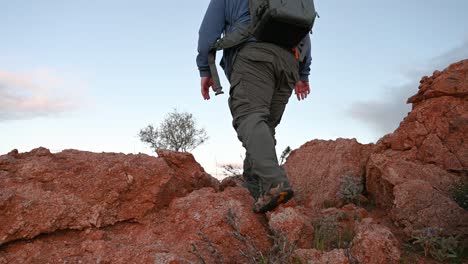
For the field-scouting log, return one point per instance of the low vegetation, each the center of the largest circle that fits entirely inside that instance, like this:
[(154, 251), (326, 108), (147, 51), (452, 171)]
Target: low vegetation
[(459, 192), (178, 132), (232, 170), (351, 189), (285, 154), (330, 235), (447, 249), (280, 252)]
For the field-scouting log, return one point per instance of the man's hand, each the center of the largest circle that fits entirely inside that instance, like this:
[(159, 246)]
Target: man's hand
[(302, 90), (206, 83)]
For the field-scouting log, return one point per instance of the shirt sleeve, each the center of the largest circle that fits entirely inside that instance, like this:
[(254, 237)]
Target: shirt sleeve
[(304, 67), (211, 29)]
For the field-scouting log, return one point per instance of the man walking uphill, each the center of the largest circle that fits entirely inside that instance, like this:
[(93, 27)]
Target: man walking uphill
[(262, 76)]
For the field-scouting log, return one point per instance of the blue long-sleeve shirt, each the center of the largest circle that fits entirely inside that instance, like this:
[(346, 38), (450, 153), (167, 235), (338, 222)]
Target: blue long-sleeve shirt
[(221, 17)]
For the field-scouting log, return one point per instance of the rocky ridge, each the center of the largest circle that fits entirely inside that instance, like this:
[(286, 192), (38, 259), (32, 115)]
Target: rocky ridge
[(82, 207)]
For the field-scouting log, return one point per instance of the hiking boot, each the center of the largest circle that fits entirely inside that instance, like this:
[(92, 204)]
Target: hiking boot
[(277, 195)]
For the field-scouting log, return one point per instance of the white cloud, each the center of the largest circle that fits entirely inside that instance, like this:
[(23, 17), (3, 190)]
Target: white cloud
[(35, 94), (385, 114)]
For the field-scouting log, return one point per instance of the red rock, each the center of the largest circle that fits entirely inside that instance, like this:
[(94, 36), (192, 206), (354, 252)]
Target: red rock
[(232, 181), (188, 170), (385, 171), (418, 204), (436, 128), (197, 221), (411, 170), (316, 169), (81, 207), (434, 132), (296, 227), (375, 244), (451, 82), (43, 192), (349, 211), (210, 213), (355, 211)]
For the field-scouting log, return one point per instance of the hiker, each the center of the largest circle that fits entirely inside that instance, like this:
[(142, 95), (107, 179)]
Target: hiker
[(262, 77)]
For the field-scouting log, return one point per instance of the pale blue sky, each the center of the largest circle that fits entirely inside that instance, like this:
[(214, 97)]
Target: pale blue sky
[(89, 74)]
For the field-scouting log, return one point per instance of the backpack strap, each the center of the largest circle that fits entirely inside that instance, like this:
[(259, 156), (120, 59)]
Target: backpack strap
[(241, 34), (214, 72)]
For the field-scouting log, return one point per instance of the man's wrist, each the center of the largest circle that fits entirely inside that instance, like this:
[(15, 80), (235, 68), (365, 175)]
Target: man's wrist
[(205, 73), (304, 78)]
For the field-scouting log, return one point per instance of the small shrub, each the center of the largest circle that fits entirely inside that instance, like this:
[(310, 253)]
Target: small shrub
[(350, 189), (285, 154), (178, 132), (232, 170), (437, 246), (459, 192), (329, 235), (279, 253)]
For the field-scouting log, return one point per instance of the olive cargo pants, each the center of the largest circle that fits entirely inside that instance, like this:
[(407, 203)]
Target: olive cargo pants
[(262, 81)]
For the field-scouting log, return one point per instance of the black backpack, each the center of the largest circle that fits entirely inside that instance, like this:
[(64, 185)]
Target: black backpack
[(282, 22)]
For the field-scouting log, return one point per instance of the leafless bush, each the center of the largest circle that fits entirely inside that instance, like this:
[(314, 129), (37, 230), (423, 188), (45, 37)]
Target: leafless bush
[(285, 155), (232, 170), (178, 132)]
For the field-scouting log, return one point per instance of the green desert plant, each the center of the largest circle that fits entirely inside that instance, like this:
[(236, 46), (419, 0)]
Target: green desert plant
[(330, 235), (433, 244), (459, 192), (350, 189)]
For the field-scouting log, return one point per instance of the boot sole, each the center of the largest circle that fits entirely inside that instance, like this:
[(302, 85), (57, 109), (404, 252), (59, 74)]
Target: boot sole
[(281, 198)]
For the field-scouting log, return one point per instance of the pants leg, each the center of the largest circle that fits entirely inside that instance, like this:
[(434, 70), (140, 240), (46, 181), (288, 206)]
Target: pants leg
[(260, 90), (251, 181)]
